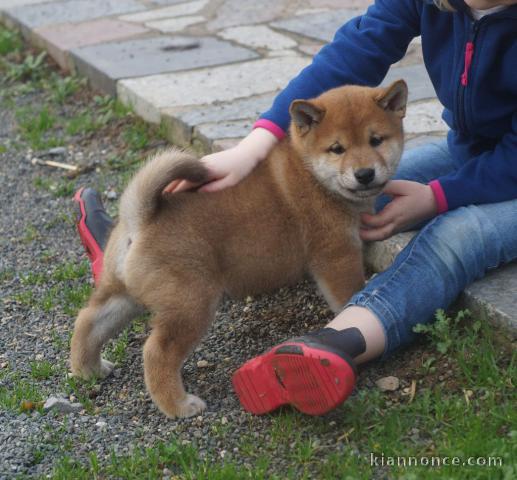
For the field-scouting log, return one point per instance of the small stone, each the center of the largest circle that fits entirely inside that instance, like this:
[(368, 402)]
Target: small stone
[(224, 421), (388, 384), (112, 195), (57, 151), (101, 424), (39, 357), (62, 405), (202, 364)]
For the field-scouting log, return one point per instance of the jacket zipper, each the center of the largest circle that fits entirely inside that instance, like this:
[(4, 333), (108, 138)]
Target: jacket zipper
[(469, 53)]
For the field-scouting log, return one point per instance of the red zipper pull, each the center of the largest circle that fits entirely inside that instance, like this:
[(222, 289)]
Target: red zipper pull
[(469, 51)]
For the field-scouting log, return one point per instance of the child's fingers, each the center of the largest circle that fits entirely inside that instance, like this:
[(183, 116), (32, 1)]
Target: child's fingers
[(385, 216), (178, 186), (376, 234), (217, 185), (170, 188)]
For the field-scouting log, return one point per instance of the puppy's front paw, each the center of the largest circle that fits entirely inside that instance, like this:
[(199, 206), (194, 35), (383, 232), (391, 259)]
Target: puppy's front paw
[(189, 406)]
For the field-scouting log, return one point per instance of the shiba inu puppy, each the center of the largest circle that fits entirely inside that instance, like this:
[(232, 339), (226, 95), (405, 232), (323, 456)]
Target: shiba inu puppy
[(296, 213)]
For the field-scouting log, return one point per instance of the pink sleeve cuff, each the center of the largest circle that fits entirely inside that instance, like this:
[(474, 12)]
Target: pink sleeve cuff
[(439, 196), (270, 127)]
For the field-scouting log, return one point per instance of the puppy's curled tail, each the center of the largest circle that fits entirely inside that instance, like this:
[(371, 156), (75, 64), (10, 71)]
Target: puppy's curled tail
[(143, 195)]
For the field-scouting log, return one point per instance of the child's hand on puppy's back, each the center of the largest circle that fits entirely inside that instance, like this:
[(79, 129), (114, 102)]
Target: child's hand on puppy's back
[(230, 166)]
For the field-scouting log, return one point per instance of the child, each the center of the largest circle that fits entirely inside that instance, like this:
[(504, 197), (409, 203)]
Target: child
[(463, 191)]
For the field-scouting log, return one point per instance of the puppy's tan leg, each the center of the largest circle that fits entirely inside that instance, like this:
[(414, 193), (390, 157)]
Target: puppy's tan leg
[(338, 276), (176, 331), (104, 317)]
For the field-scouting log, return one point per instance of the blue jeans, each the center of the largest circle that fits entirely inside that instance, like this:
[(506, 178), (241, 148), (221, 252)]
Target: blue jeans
[(448, 253)]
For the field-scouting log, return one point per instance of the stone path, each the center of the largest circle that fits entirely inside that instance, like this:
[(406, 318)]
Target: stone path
[(207, 68)]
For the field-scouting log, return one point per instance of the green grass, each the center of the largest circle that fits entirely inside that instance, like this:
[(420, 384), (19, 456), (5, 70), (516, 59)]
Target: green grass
[(6, 275), (81, 389), (71, 271), (31, 68), (31, 234), (17, 391), (35, 124), (60, 188), (150, 463), (82, 124), (62, 88), (137, 136), (67, 288), (116, 350), (10, 42), (42, 370), (33, 278)]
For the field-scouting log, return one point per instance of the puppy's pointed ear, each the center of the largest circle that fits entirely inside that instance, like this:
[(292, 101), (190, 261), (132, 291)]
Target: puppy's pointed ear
[(305, 115), (394, 98)]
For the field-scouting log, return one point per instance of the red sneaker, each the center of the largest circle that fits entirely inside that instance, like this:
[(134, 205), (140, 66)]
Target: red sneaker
[(311, 376), (93, 225)]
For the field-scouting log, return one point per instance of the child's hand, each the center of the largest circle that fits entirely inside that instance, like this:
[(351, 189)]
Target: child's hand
[(412, 203), (229, 167)]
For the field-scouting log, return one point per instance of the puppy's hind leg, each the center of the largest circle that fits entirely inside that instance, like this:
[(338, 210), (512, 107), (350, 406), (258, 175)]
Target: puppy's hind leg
[(104, 317), (177, 328)]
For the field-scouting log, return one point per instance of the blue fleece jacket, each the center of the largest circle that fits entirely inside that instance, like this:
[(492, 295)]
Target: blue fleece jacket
[(473, 68)]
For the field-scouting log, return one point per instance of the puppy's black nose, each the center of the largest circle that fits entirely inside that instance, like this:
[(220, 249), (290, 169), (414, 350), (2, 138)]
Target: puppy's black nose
[(364, 175)]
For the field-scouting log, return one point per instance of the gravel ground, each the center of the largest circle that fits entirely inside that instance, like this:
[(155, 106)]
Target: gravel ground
[(36, 236)]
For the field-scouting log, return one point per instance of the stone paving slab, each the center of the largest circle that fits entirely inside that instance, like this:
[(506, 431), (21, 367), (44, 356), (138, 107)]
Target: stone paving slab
[(258, 36), (166, 2), (58, 40), (149, 95), (424, 117), (105, 64), (34, 16), (494, 298), (175, 24), (417, 79), (319, 26), (18, 3), (180, 122), (231, 13), (205, 134), (179, 10)]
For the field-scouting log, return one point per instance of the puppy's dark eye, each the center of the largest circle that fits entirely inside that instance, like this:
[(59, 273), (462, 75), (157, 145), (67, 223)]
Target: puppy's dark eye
[(376, 140), (337, 149)]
